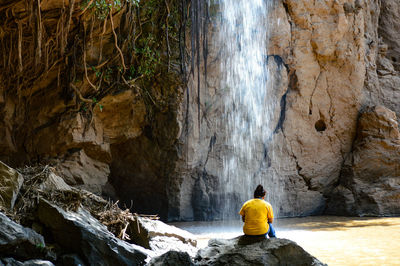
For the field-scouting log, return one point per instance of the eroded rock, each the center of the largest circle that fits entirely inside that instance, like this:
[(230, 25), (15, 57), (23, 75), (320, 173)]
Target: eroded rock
[(19, 242), (10, 184), (370, 179), (254, 251), (35, 262), (82, 171), (81, 234), (160, 237), (172, 258)]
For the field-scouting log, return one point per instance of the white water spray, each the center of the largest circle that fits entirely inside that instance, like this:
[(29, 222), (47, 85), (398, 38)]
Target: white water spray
[(243, 39)]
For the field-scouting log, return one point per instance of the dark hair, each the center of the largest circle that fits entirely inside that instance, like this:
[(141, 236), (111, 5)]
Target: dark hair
[(259, 192)]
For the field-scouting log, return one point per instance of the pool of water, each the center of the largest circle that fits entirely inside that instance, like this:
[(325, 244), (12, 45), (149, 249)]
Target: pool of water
[(333, 240)]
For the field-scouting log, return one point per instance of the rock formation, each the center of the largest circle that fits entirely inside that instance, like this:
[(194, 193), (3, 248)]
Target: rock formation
[(339, 58), (137, 120), (369, 182), (252, 251), (63, 225)]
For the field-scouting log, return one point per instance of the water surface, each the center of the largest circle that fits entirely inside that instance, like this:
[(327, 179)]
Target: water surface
[(333, 240)]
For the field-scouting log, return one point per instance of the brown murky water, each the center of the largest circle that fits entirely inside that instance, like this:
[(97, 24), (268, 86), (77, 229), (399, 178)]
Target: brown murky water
[(333, 240)]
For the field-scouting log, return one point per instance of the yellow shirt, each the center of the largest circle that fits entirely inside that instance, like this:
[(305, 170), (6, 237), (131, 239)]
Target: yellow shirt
[(256, 213)]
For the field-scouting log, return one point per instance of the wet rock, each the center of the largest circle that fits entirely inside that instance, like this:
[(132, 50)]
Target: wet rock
[(160, 237), (172, 258), (10, 184), (19, 242), (254, 251), (370, 179), (79, 233)]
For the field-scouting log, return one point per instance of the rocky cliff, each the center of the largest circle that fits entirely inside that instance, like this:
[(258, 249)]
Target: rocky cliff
[(333, 61), (125, 100)]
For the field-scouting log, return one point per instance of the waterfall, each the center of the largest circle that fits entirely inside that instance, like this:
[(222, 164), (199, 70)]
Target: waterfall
[(243, 42)]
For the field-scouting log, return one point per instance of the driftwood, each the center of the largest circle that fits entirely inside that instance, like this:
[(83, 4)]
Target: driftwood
[(107, 212)]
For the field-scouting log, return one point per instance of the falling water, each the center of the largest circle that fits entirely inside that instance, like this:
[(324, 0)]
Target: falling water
[(243, 40)]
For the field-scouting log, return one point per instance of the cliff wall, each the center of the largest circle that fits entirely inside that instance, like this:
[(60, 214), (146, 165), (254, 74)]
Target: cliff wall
[(125, 101)]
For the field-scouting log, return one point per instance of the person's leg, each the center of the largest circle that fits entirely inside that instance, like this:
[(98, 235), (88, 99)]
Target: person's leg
[(271, 231)]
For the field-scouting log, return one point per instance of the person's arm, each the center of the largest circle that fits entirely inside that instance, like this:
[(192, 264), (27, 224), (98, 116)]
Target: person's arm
[(242, 213), (270, 215)]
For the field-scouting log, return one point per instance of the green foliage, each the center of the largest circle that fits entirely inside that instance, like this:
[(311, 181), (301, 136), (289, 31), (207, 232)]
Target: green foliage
[(103, 7), (148, 36), (149, 58)]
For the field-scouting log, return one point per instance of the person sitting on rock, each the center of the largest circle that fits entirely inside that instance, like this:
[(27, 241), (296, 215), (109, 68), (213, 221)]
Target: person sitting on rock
[(257, 215)]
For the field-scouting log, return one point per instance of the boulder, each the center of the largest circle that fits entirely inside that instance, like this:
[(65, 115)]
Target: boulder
[(54, 182), (10, 184), (370, 179), (160, 237), (80, 233), (71, 260), (172, 258), (36, 262), (80, 170), (19, 242), (254, 251)]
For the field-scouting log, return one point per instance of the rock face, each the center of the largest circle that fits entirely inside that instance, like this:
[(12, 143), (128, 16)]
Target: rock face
[(318, 77), (19, 242), (159, 148), (370, 179), (252, 251), (339, 58), (172, 258), (81, 234), (160, 237), (10, 183)]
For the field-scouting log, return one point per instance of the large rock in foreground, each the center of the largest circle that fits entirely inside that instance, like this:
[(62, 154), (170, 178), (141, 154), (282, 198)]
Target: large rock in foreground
[(370, 179), (79, 233), (254, 251), (160, 237), (172, 258), (19, 242)]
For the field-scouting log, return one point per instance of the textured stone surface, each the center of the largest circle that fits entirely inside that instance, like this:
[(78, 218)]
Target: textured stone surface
[(160, 237), (318, 76), (13, 262), (172, 258), (370, 179), (329, 61), (254, 251), (19, 242), (10, 184), (80, 233), (80, 170)]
